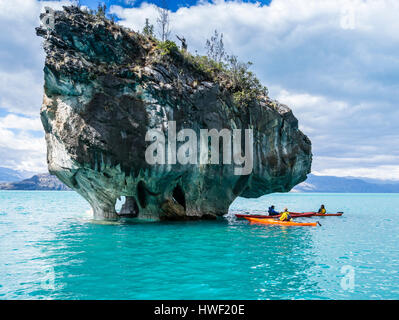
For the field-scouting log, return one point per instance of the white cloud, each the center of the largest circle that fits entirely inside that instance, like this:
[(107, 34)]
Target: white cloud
[(21, 55), (12, 121), (356, 140), (21, 91), (376, 172), (22, 143), (22, 150), (21, 85)]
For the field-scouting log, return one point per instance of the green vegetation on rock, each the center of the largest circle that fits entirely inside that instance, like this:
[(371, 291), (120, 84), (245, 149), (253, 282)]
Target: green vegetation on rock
[(148, 29), (167, 47), (216, 65)]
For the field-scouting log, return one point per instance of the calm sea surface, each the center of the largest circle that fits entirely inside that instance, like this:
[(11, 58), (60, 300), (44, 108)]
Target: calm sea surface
[(50, 249)]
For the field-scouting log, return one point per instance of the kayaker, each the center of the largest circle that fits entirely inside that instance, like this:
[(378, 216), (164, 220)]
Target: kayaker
[(273, 212), (285, 216), (322, 210)]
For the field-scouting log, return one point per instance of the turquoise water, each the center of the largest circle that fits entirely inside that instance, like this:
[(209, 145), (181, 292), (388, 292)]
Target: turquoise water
[(50, 249)]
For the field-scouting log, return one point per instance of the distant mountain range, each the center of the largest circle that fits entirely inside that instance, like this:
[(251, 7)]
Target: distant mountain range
[(10, 175), (42, 181), (345, 185), (17, 180)]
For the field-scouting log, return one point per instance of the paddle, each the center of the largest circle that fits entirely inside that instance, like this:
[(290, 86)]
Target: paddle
[(319, 223)]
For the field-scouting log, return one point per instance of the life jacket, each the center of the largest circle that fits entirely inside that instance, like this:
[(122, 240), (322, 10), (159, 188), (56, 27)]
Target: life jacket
[(285, 216), (323, 211), (270, 210)]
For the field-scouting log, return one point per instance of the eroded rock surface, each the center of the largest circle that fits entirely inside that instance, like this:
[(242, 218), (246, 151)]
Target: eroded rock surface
[(106, 86)]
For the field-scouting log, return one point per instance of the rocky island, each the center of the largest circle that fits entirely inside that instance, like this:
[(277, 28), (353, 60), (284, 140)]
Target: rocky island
[(107, 86)]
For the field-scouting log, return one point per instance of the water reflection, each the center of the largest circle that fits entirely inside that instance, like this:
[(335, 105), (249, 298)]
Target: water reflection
[(281, 262)]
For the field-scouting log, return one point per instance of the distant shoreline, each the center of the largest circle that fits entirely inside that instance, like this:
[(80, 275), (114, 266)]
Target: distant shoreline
[(313, 184), (276, 193)]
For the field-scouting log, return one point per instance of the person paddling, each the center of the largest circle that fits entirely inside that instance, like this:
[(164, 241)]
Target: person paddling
[(285, 216), (273, 212), (322, 210)]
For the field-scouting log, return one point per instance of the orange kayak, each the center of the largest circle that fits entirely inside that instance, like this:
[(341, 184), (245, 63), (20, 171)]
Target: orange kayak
[(263, 216), (281, 223)]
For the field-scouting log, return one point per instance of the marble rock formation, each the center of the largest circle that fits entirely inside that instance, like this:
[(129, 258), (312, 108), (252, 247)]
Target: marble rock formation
[(107, 86)]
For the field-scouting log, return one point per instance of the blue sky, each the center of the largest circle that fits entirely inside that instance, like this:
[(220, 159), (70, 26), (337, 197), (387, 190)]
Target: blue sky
[(172, 5), (334, 62)]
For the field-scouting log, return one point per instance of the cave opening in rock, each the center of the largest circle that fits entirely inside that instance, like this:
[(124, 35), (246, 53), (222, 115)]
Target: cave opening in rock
[(141, 194), (127, 206), (178, 195), (119, 203)]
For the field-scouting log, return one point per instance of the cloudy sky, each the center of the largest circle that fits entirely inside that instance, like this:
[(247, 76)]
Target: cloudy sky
[(335, 63)]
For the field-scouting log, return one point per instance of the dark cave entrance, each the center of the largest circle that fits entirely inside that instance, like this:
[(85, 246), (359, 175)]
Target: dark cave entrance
[(178, 195), (129, 207), (141, 194)]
